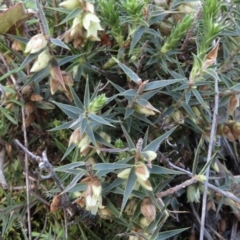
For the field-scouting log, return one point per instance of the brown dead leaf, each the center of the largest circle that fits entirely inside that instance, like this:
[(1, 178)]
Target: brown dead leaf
[(211, 56), (30, 119), (56, 203), (35, 97), (53, 85), (12, 18), (56, 73), (29, 107), (233, 104)]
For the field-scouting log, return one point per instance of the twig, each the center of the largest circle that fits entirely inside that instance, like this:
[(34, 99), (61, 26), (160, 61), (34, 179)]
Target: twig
[(190, 31), (142, 57), (26, 156), (199, 222), (138, 149), (214, 188), (26, 170), (44, 164), (172, 190), (2, 177), (43, 230), (17, 188), (210, 148)]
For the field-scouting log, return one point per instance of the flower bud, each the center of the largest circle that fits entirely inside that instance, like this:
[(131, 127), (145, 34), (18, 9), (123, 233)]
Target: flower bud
[(96, 187), (131, 206), (119, 143), (124, 174), (186, 9), (143, 110), (75, 137), (193, 193), (149, 155), (178, 117), (89, 7), (70, 4), (144, 222), (142, 171), (233, 104), (146, 184), (76, 27), (36, 43), (42, 61), (148, 209), (105, 136), (105, 213), (236, 130), (97, 103), (84, 142), (196, 112), (109, 63)]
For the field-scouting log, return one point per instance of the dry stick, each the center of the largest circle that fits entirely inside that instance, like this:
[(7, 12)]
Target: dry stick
[(27, 173), (172, 190), (2, 177), (190, 31), (210, 148), (44, 164), (26, 156), (182, 185), (209, 237)]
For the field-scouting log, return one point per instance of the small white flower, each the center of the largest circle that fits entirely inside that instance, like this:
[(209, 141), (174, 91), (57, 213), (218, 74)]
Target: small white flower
[(124, 174), (36, 43), (92, 24), (70, 4), (42, 61), (89, 7)]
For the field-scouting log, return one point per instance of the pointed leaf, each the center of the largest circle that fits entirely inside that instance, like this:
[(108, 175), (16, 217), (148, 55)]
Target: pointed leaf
[(69, 150), (154, 145), (42, 18), (128, 113), (74, 181), (131, 145), (69, 166), (56, 72), (86, 100), (161, 84), (199, 98), (196, 155), (110, 166), (59, 43), (90, 134), (128, 188), (168, 234), (76, 99), (8, 116), (114, 184), (188, 109), (162, 170), (68, 59), (27, 60), (133, 76), (73, 14), (137, 35), (69, 108), (99, 119)]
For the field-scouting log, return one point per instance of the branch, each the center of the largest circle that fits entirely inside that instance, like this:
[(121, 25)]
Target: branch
[(209, 155), (2, 177), (44, 164), (180, 186)]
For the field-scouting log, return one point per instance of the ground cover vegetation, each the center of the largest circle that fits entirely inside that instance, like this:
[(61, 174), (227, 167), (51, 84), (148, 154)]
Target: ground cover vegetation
[(119, 119)]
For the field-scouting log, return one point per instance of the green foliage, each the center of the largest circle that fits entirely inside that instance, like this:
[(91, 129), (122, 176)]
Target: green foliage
[(121, 94)]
